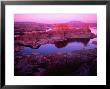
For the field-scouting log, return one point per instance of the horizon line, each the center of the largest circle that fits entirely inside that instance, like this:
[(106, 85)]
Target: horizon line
[(54, 23)]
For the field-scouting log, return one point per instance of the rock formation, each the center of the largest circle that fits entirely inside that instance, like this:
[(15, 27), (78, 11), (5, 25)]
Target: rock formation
[(59, 32)]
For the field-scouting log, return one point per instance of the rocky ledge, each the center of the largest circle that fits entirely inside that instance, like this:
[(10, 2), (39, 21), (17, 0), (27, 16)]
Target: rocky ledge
[(77, 63), (34, 39)]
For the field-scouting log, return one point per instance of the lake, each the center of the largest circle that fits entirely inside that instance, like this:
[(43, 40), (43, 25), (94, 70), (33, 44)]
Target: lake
[(60, 47), (69, 45)]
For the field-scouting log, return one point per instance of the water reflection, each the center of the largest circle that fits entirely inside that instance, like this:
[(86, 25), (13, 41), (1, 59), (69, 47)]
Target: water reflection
[(61, 46)]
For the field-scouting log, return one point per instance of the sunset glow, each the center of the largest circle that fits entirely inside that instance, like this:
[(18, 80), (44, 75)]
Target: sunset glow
[(55, 18)]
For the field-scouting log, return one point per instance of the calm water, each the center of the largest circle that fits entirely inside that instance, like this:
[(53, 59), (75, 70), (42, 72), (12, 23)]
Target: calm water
[(62, 46)]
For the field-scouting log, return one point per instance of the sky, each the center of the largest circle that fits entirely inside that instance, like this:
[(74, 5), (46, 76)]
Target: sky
[(51, 18)]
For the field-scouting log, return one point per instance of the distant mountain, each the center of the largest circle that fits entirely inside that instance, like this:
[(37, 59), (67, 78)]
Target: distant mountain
[(44, 26), (76, 23), (79, 24), (24, 22), (92, 24)]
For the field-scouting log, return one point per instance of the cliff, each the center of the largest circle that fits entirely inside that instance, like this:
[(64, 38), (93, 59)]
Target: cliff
[(34, 39)]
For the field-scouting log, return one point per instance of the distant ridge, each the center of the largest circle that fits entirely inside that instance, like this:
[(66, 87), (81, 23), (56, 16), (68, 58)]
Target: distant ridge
[(29, 25), (24, 22), (70, 22)]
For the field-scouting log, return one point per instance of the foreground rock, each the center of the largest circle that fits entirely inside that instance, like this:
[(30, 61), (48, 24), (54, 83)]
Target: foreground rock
[(77, 63)]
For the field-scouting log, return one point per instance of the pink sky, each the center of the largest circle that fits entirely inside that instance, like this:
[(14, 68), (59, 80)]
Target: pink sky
[(55, 18)]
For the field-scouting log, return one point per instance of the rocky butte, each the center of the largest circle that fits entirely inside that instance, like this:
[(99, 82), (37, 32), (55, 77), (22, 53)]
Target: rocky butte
[(34, 34)]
